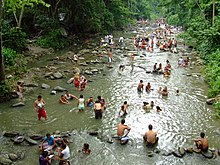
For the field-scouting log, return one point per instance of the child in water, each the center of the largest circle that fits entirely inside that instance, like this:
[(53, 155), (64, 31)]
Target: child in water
[(86, 149), (177, 92), (158, 109)]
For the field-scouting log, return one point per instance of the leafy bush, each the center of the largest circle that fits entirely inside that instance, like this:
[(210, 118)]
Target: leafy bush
[(53, 39), (9, 56), (13, 37), (217, 109)]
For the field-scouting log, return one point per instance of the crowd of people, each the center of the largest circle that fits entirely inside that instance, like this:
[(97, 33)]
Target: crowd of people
[(57, 148)]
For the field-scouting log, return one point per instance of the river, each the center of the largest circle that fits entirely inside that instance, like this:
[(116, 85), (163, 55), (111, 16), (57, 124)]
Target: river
[(181, 120)]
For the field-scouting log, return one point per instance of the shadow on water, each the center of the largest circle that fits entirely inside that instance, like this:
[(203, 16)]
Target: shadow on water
[(182, 117)]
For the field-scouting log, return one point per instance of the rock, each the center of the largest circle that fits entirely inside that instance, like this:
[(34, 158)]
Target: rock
[(20, 104), (208, 154), (84, 51), (45, 86), (94, 70), (166, 153), (83, 64), (18, 139), (188, 74), (156, 150), (150, 153), (211, 101), (30, 141), (88, 72), (31, 85), (5, 161), (48, 74), (59, 89), (189, 150), (177, 154), (81, 58), (70, 80), (196, 150), (36, 137), (181, 151), (93, 133), (10, 134), (13, 157), (53, 92), (9, 76), (21, 155), (94, 52), (57, 75), (148, 71), (76, 70)]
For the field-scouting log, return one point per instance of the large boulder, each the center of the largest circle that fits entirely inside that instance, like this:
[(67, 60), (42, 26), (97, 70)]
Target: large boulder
[(20, 104), (88, 72), (59, 89), (48, 74), (45, 86), (211, 101), (10, 134), (70, 80), (31, 141), (57, 75)]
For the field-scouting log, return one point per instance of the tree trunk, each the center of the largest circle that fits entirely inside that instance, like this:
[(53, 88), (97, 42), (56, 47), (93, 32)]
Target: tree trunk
[(213, 12), (2, 72), (21, 16)]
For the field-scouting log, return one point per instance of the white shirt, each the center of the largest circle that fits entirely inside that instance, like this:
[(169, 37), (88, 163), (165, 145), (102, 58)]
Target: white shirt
[(66, 153)]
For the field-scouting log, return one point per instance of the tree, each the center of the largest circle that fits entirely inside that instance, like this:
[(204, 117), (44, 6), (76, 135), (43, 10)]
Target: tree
[(2, 75), (17, 7)]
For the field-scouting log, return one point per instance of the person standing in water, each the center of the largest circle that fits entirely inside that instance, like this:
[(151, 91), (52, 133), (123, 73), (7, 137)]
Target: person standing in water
[(81, 103), (140, 86), (150, 136), (39, 107), (19, 91)]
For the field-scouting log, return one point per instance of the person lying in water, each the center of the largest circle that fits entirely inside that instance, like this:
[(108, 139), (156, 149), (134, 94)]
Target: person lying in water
[(63, 100), (202, 143), (150, 136), (121, 132), (69, 96)]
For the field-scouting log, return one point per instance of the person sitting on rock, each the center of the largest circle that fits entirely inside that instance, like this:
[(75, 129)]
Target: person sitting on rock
[(150, 137), (50, 143), (202, 143), (44, 159), (63, 100)]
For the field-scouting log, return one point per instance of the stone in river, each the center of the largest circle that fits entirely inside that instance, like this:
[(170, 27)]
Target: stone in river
[(36, 137), (53, 92), (70, 80), (81, 58), (208, 154), (18, 139), (58, 75), (88, 72), (5, 161), (150, 153), (45, 86), (59, 89), (211, 101), (31, 85), (94, 70), (177, 154), (48, 74), (31, 141), (13, 157), (10, 134), (189, 150), (20, 104), (181, 150)]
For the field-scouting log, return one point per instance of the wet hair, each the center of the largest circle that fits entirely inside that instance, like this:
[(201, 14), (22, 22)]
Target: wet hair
[(99, 97), (177, 91), (62, 162), (122, 121), (141, 81), (61, 95), (48, 134), (86, 146), (157, 107), (90, 97), (202, 134), (125, 102), (39, 97), (97, 101), (81, 96), (144, 103), (150, 127)]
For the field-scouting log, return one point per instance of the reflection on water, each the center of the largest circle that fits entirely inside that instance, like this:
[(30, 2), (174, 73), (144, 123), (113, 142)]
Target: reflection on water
[(182, 117)]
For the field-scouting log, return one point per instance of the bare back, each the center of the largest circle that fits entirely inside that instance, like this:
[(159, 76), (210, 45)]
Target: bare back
[(151, 136)]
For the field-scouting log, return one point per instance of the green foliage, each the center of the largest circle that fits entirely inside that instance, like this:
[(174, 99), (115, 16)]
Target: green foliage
[(9, 56), (13, 37), (217, 109), (5, 89), (53, 39), (173, 19)]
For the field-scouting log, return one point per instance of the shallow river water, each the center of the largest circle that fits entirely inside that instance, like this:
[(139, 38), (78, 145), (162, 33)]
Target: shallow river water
[(181, 120)]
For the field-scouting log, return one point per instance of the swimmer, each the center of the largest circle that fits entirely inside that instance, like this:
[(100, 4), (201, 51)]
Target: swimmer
[(69, 96), (86, 149), (63, 100), (159, 90), (125, 105), (164, 91), (90, 102), (177, 92), (150, 137), (121, 67), (122, 112), (146, 106), (158, 109), (151, 104), (140, 86)]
